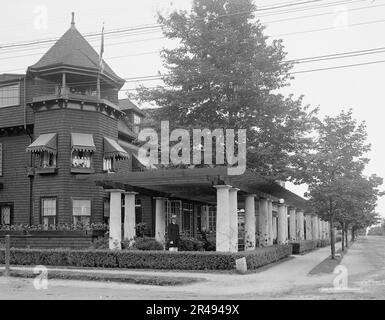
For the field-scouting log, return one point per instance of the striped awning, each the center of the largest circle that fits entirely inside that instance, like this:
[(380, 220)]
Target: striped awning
[(134, 151), (44, 143), (82, 142), (113, 150)]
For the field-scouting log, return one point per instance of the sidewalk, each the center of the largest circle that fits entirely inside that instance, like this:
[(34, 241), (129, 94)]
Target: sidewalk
[(280, 277)]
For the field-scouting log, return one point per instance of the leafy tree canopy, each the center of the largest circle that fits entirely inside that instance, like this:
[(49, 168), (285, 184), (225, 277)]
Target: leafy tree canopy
[(225, 74)]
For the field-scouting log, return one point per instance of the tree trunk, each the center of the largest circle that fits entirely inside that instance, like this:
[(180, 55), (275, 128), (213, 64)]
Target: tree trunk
[(332, 237), (353, 233), (346, 235), (343, 237)]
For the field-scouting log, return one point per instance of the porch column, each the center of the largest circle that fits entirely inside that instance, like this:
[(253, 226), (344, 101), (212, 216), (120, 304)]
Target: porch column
[(323, 230), (309, 235), (286, 224), (250, 222), (320, 235), (115, 241), (300, 225), (282, 224), (293, 225), (129, 215), (270, 221), (314, 227), (233, 205), (223, 218), (275, 227), (160, 220), (263, 223)]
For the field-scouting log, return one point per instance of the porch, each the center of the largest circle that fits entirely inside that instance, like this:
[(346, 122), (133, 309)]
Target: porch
[(240, 212)]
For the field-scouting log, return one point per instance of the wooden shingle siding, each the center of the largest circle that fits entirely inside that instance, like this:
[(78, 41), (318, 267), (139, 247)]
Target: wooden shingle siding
[(13, 116), (15, 182), (64, 184)]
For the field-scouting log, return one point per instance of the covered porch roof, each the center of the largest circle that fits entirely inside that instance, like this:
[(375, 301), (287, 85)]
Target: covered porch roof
[(196, 184)]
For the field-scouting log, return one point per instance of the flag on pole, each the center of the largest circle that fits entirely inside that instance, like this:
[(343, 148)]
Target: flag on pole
[(101, 64)]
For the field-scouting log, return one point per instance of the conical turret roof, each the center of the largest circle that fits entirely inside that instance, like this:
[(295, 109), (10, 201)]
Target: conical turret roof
[(73, 50)]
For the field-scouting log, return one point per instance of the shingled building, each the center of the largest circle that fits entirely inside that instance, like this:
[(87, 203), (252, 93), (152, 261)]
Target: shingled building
[(68, 156)]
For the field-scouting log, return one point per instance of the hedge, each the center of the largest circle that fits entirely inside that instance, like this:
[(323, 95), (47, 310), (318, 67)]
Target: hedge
[(321, 243), (147, 259), (303, 246)]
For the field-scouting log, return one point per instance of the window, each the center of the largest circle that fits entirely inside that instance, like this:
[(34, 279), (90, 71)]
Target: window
[(5, 215), (174, 207), (10, 95), (212, 218), (48, 210), (47, 160), (108, 164), (106, 211), (137, 119), (1, 159), (81, 159), (138, 210), (187, 218), (137, 122), (81, 210)]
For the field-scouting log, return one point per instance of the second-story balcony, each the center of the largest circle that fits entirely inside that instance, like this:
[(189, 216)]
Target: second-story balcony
[(83, 95)]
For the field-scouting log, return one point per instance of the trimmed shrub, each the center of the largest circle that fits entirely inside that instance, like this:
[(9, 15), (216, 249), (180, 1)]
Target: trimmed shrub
[(303, 246), (147, 244), (190, 244), (147, 259), (321, 243)]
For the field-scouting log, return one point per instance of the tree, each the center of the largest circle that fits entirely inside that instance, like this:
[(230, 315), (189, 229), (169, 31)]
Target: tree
[(224, 74), (358, 203), (337, 159)]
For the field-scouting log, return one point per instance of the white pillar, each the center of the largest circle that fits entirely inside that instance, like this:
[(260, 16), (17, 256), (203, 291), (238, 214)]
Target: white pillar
[(275, 228), (115, 241), (293, 225), (263, 223), (223, 218), (160, 220), (286, 224), (314, 227), (320, 234), (300, 226), (129, 215), (309, 235), (323, 230), (233, 205), (270, 221), (282, 224), (250, 222)]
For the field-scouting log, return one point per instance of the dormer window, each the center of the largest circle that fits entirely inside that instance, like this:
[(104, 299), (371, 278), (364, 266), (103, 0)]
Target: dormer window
[(113, 152), (45, 148), (82, 151)]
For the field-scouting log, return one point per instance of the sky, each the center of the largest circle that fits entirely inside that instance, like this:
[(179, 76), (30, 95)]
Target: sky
[(336, 26)]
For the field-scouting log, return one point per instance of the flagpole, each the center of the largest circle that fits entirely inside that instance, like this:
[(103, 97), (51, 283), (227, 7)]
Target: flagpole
[(98, 90)]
